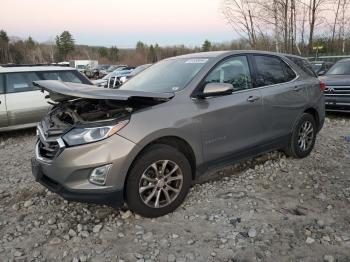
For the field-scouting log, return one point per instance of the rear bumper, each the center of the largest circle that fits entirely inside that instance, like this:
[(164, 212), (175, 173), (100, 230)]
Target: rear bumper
[(112, 198)]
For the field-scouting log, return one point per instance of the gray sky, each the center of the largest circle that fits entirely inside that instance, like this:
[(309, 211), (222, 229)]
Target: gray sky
[(116, 22)]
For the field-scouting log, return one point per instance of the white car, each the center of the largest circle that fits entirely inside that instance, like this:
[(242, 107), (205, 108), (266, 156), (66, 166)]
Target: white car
[(22, 104), (112, 80)]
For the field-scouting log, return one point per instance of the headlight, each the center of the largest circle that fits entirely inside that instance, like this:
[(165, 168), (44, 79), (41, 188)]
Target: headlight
[(80, 135)]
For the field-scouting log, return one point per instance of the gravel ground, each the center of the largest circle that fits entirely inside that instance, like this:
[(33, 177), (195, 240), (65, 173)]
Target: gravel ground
[(271, 208)]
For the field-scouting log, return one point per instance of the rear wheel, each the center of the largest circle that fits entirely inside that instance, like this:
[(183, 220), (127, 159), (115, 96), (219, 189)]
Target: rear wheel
[(158, 182), (303, 137)]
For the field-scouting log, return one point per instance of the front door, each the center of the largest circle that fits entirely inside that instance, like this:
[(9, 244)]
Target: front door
[(231, 124)]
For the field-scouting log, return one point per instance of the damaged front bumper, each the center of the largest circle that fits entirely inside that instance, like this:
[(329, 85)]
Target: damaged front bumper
[(68, 172), (113, 198)]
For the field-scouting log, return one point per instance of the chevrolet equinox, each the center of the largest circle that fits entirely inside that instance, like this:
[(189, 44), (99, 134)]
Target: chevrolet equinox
[(147, 142)]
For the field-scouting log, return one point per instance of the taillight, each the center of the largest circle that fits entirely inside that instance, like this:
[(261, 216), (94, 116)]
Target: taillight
[(322, 86)]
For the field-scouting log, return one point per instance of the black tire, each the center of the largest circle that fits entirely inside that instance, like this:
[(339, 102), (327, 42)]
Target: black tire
[(152, 154), (294, 149)]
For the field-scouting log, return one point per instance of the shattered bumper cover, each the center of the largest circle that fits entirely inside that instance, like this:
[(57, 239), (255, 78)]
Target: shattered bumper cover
[(113, 198)]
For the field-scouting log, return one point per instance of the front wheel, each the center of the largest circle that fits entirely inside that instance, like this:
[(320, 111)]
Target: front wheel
[(303, 137), (158, 182)]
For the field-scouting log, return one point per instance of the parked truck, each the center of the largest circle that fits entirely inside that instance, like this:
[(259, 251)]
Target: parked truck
[(81, 65)]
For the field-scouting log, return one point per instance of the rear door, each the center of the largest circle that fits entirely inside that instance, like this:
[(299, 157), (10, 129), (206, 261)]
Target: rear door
[(284, 96), (25, 103), (3, 112), (231, 124)]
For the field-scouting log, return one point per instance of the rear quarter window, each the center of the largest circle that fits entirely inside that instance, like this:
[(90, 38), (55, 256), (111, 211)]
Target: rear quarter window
[(272, 70), (303, 64)]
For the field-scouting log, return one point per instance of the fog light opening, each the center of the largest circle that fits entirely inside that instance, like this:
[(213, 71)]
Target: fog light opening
[(98, 176)]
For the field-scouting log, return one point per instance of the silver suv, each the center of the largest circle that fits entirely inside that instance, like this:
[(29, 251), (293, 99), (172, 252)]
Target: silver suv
[(147, 142), (22, 105)]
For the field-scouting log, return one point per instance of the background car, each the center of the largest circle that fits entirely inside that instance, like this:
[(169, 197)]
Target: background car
[(133, 73), (82, 65), (321, 67), (21, 103), (110, 69), (337, 81), (112, 80), (94, 72)]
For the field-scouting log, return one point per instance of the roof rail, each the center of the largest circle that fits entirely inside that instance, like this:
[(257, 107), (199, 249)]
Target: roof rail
[(23, 65)]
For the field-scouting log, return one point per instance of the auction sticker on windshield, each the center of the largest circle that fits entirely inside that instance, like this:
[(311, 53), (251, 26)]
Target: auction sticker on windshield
[(197, 61)]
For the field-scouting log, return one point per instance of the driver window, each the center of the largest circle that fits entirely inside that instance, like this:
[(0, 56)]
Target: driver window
[(233, 71)]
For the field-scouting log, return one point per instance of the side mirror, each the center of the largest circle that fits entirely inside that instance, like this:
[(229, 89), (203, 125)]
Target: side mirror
[(216, 89), (321, 73)]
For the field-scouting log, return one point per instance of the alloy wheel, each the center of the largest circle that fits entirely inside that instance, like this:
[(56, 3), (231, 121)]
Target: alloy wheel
[(305, 136), (160, 183)]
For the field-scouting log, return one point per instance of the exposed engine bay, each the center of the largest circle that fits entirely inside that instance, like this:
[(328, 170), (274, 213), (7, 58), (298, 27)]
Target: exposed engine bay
[(65, 115), (85, 105)]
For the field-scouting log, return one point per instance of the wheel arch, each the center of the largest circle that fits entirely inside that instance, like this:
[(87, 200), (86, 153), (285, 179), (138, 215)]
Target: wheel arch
[(174, 141), (312, 111)]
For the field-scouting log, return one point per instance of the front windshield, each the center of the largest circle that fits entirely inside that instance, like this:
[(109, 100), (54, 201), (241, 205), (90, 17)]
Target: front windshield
[(166, 76), (341, 68)]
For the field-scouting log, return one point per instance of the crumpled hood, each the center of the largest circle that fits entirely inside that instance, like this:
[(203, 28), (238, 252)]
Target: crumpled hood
[(336, 80), (63, 91)]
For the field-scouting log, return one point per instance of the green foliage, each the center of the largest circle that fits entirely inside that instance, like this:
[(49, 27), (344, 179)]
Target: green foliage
[(4, 47), (152, 55), (29, 42), (3, 37), (206, 46), (65, 45), (16, 51), (114, 54), (140, 46), (103, 52)]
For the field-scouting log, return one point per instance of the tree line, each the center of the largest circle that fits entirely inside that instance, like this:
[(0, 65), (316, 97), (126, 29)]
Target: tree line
[(63, 48), (301, 27), (291, 26)]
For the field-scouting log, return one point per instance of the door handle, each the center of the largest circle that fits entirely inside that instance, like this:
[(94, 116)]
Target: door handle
[(296, 89), (253, 98)]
